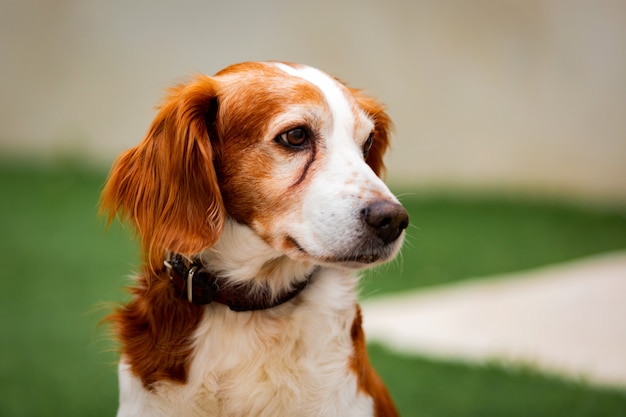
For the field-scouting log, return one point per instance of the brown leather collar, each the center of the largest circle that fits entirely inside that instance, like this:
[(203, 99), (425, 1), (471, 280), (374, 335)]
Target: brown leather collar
[(199, 286)]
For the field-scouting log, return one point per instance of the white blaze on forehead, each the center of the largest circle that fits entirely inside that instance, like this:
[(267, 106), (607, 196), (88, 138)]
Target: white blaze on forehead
[(330, 223), (343, 117)]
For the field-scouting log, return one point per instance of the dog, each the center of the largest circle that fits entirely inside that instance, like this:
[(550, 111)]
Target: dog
[(256, 197)]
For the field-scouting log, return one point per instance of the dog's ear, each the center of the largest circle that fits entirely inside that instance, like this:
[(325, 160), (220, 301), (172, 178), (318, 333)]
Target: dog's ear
[(167, 185), (382, 130)]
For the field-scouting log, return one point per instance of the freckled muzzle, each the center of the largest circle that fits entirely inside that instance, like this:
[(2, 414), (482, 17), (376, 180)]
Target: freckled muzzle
[(382, 224), (375, 236)]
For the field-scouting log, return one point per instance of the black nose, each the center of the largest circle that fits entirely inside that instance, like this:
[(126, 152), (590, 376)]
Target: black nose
[(387, 219)]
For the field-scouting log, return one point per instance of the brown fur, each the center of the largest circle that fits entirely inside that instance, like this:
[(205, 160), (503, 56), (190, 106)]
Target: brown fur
[(155, 329), (167, 185), (382, 129), (369, 381), (198, 162)]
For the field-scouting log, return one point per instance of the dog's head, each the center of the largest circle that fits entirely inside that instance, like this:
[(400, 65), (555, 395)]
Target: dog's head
[(284, 149)]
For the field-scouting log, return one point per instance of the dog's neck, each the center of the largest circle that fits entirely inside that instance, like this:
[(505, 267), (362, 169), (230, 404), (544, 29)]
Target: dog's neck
[(199, 286), (243, 258)]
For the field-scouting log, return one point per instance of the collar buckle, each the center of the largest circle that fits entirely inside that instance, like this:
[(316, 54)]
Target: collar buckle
[(189, 279)]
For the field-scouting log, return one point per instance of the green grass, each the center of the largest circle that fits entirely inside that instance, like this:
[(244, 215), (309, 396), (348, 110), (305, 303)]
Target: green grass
[(455, 238), (59, 264), (431, 388)]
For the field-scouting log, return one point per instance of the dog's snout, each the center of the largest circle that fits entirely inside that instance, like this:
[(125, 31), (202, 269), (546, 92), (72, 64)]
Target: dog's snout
[(387, 219)]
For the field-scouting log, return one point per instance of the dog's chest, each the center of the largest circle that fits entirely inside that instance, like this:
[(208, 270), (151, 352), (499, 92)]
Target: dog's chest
[(294, 361)]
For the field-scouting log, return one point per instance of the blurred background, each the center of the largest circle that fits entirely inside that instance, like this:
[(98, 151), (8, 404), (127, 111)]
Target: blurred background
[(509, 151), (523, 93)]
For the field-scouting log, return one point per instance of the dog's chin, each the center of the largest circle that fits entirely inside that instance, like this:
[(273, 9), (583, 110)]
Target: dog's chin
[(366, 260), (362, 257)]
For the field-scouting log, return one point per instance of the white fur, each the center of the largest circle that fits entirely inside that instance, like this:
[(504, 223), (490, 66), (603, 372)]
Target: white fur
[(294, 359), (345, 183)]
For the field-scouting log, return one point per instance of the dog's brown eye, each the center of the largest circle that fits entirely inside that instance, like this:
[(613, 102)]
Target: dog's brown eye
[(367, 145), (296, 138)]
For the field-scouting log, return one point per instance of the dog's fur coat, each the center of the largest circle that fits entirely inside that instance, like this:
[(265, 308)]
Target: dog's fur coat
[(267, 174)]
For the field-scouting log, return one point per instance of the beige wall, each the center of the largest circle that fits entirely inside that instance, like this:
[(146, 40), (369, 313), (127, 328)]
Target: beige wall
[(521, 93)]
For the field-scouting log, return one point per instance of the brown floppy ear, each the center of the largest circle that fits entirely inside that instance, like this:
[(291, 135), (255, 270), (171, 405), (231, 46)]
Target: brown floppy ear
[(382, 130), (167, 186)]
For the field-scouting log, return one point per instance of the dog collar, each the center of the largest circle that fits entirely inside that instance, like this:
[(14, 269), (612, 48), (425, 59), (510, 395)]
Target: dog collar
[(199, 286)]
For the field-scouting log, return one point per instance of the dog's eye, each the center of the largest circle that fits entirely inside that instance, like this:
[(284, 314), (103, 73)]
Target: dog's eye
[(367, 145), (295, 138)]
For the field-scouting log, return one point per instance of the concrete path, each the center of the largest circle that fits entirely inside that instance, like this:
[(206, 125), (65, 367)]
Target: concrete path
[(568, 319)]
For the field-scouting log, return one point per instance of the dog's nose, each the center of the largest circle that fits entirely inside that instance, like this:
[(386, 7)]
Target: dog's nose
[(388, 219)]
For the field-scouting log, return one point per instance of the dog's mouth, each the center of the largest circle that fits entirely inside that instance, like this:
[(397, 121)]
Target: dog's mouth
[(355, 259)]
